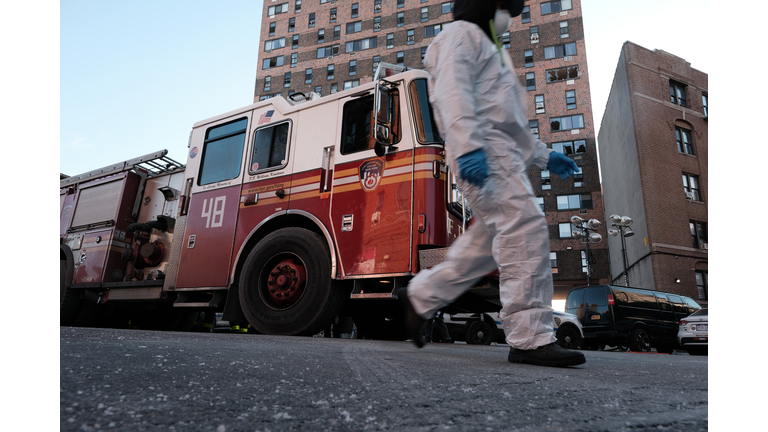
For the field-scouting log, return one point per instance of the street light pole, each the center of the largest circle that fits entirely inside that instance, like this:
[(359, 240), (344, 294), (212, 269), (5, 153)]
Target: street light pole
[(590, 228), (621, 225)]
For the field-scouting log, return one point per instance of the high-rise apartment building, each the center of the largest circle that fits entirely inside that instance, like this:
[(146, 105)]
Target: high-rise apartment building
[(653, 153), (327, 46)]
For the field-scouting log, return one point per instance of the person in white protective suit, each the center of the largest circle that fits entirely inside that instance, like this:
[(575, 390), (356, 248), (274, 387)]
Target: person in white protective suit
[(480, 112)]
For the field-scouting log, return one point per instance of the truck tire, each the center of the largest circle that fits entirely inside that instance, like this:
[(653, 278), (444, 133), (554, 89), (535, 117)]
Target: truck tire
[(479, 332), (640, 341), (286, 286), (568, 337)]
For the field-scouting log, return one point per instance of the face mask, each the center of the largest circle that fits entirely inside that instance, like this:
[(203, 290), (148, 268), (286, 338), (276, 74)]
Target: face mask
[(501, 21)]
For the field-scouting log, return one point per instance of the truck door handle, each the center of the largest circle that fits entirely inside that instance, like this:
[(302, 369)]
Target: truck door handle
[(280, 193)]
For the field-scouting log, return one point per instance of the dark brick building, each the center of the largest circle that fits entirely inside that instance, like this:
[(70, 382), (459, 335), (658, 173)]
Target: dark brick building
[(326, 46), (653, 155)]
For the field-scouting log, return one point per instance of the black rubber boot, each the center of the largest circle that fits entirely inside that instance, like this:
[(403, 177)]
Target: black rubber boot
[(414, 324), (547, 355)]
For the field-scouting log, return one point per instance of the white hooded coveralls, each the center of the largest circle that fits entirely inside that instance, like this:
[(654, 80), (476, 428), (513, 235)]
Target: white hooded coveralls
[(478, 103)]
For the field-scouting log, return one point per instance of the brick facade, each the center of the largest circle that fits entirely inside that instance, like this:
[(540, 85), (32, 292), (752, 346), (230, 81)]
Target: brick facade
[(569, 264), (641, 120)]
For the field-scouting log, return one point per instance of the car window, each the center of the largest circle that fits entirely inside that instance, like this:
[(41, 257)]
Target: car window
[(596, 297), (700, 312), (575, 299), (663, 301), (692, 303)]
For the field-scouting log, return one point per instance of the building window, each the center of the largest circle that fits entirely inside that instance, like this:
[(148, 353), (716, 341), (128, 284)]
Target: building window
[(295, 43), (272, 62), (376, 61), (705, 103), (354, 10), (400, 3), (566, 123), (352, 67), (297, 8), (446, 7), (702, 283), (699, 234), (684, 143), (333, 15), (274, 44), (578, 178), (354, 27), (390, 41), (265, 97), (287, 80), (432, 30), (546, 181), (291, 24), (400, 58), (539, 104), (267, 83), (327, 51), (311, 22), (360, 45), (570, 147), (526, 15), (321, 36), (555, 6), (334, 88), (376, 6), (677, 93), (570, 99), (423, 53), (424, 14), (691, 186), (337, 32), (330, 72), (410, 37), (534, 34), (584, 265), (294, 59), (319, 90), (274, 10), (351, 84), (559, 51), (400, 19), (564, 29), (272, 29), (534, 126), (505, 40), (562, 74), (553, 260), (377, 24), (530, 81), (574, 202), (308, 76), (540, 201), (324, 1), (565, 229), (528, 57)]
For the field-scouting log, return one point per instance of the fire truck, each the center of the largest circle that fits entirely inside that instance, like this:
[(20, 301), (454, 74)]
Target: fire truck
[(286, 214)]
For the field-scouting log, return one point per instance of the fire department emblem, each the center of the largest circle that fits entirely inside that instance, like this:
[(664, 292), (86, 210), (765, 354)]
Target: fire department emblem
[(370, 174)]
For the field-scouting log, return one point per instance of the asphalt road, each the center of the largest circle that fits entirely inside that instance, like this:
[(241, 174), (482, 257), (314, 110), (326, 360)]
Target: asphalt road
[(132, 380)]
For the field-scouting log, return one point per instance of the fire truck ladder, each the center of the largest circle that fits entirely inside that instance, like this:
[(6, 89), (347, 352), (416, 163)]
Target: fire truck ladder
[(153, 164)]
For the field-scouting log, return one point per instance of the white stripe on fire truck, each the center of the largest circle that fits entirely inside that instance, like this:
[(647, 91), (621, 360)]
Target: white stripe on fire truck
[(304, 188)]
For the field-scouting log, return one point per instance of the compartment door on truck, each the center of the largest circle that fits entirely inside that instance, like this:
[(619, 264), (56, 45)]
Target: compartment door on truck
[(216, 165), (372, 195)]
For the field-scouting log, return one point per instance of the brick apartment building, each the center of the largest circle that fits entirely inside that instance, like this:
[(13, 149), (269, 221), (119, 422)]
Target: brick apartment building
[(327, 46), (653, 156)]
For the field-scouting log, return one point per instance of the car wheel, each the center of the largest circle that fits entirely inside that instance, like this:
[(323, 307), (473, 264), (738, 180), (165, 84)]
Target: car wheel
[(697, 351), (640, 341), (286, 286), (479, 332), (568, 337)]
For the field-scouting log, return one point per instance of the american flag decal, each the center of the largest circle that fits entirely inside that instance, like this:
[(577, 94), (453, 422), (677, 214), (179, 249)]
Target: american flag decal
[(266, 117)]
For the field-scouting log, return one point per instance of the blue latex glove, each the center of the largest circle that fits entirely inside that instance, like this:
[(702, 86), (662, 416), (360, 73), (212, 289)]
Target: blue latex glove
[(472, 167), (561, 165)]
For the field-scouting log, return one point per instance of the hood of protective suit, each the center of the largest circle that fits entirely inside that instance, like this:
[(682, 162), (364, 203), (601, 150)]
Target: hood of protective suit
[(481, 12)]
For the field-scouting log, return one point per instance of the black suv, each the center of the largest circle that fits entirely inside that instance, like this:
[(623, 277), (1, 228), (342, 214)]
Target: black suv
[(634, 317)]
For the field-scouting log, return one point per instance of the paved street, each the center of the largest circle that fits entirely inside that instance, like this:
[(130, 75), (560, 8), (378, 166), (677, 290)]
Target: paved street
[(131, 380)]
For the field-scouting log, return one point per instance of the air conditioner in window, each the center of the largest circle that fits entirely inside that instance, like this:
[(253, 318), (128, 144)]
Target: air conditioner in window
[(567, 58), (268, 51), (704, 246), (689, 195), (539, 105), (377, 8), (535, 131), (333, 17), (411, 38), (534, 37)]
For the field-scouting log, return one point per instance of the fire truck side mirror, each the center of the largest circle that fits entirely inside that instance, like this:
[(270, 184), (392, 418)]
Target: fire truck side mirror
[(382, 115)]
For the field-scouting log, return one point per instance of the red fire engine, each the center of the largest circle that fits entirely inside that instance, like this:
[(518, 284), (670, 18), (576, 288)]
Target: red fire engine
[(288, 213)]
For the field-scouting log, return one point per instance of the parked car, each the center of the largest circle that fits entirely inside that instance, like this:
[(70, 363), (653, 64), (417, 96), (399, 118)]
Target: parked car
[(693, 334), (483, 329), (621, 316)]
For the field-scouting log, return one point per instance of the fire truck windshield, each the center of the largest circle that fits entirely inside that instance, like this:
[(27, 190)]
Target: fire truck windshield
[(426, 129)]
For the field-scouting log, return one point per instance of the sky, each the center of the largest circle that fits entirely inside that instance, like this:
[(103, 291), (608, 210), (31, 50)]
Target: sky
[(135, 76)]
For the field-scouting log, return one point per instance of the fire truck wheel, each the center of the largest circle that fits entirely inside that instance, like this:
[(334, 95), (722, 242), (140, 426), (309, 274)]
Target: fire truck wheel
[(286, 285), (69, 300)]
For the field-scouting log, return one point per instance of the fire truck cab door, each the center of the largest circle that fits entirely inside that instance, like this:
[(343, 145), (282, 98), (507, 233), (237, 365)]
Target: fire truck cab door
[(372, 195), (216, 163)]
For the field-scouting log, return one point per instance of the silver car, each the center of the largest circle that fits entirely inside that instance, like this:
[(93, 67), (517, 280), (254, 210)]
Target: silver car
[(693, 333)]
